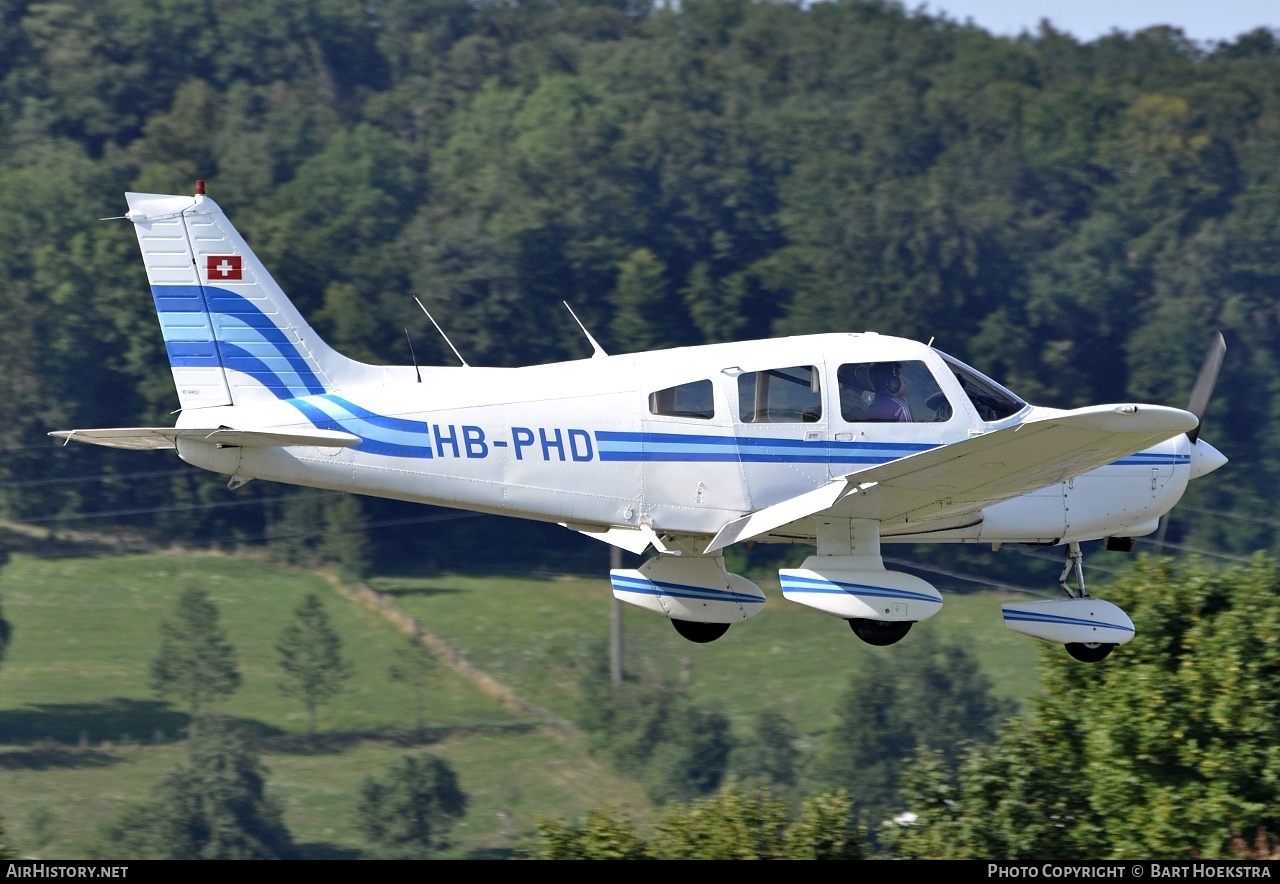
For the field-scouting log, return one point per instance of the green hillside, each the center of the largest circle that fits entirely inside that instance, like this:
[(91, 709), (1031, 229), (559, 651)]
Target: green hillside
[(81, 733)]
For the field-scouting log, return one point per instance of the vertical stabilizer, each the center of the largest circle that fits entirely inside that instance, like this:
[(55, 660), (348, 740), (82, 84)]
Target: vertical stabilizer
[(231, 334)]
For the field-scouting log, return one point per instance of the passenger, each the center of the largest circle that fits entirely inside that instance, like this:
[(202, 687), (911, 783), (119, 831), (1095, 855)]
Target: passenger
[(890, 386)]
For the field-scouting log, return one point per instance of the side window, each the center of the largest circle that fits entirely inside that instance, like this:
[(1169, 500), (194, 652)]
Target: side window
[(686, 400), (780, 396), (889, 392)]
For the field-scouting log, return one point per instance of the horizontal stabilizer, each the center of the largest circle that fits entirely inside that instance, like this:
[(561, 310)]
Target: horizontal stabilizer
[(974, 473), (155, 438)]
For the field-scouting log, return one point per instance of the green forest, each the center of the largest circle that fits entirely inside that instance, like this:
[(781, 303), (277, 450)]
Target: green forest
[(1072, 218)]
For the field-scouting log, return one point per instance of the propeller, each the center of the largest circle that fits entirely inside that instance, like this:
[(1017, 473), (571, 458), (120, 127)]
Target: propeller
[(1203, 390), (1204, 458)]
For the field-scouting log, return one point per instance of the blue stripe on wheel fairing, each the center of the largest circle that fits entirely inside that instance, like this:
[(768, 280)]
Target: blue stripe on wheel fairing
[(795, 583), (645, 586), (1037, 617)]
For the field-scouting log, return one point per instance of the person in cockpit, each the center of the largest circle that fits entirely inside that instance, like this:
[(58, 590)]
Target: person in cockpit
[(890, 387)]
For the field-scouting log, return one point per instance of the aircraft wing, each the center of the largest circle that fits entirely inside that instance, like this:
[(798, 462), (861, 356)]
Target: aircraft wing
[(154, 438), (974, 473)]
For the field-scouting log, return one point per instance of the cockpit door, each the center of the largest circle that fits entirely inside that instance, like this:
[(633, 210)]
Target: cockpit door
[(884, 409)]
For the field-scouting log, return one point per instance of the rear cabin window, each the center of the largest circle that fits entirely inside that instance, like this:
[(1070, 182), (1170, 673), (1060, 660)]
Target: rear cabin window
[(685, 400), (891, 392), (780, 396)]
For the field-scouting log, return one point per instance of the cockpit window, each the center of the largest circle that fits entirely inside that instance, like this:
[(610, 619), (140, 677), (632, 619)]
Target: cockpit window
[(992, 401), (893, 392), (780, 396), (685, 400)]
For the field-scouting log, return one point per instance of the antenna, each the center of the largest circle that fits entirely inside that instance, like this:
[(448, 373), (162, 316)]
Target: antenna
[(464, 362), (597, 350), (413, 356)]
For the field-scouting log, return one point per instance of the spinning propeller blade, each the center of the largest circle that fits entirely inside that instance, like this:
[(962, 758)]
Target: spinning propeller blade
[(1203, 390)]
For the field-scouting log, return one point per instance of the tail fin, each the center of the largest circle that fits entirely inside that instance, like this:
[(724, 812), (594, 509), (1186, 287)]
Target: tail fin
[(232, 336)]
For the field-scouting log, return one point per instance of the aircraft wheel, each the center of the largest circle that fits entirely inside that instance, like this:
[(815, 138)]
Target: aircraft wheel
[(1090, 652), (700, 632), (879, 632)]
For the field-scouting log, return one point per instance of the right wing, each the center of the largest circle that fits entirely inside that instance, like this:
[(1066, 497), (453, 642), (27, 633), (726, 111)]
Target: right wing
[(968, 475)]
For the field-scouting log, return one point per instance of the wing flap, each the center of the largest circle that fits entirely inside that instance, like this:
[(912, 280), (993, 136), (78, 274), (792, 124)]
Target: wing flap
[(158, 438), (971, 474)]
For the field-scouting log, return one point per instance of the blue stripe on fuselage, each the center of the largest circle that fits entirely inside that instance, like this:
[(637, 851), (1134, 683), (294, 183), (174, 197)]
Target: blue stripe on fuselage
[(689, 448)]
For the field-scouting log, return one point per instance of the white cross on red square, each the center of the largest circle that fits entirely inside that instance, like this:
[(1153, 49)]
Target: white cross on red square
[(220, 268)]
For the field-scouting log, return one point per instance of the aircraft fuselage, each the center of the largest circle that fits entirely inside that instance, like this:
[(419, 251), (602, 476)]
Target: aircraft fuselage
[(580, 443)]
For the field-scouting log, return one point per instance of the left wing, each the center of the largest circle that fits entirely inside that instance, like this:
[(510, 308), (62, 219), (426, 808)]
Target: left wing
[(155, 438), (976, 472)]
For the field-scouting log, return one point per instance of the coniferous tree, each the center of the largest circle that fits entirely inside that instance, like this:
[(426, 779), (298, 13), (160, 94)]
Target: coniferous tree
[(195, 662), (408, 814), (212, 806), (311, 658)]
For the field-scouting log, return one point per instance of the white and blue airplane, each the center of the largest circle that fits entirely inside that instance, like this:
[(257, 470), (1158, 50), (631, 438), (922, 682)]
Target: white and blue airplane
[(842, 441)]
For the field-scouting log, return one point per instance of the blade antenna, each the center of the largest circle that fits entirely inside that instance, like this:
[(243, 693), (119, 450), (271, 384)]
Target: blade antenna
[(597, 350), (1203, 390), (464, 362), (413, 356)]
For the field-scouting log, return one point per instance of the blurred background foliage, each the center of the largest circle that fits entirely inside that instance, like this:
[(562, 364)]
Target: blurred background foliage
[(1072, 218)]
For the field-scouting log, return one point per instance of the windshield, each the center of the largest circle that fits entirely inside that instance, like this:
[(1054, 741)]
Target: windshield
[(992, 401)]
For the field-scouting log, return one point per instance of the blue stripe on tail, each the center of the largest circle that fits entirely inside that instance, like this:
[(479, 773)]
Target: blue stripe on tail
[(234, 334)]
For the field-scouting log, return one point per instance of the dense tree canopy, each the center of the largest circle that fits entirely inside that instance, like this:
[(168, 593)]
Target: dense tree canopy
[(1070, 217), (1168, 750)]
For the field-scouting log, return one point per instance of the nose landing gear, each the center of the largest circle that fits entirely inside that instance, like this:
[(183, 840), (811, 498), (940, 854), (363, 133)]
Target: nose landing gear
[(1089, 628), (1085, 652)]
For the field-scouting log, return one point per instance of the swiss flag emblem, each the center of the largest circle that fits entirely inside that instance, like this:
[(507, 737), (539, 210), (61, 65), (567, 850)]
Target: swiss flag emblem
[(223, 267)]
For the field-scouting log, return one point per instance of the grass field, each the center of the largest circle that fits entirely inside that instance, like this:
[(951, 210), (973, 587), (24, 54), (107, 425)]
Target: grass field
[(82, 734), (534, 634)]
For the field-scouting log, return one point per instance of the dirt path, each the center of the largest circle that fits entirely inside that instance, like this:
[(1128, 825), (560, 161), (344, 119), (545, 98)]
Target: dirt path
[(487, 684)]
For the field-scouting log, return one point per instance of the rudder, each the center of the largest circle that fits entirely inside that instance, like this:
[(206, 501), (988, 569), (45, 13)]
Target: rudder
[(231, 334)]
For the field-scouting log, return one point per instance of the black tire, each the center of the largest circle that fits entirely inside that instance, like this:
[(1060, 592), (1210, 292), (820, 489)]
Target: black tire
[(879, 632), (701, 633), (1090, 652)]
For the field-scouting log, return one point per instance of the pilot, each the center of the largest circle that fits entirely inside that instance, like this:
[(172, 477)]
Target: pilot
[(890, 386)]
